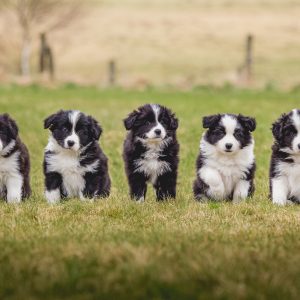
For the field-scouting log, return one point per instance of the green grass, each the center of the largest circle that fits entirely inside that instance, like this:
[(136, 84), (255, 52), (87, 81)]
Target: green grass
[(118, 249)]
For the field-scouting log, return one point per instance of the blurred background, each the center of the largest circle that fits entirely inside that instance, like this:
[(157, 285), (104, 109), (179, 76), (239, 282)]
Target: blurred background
[(142, 43)]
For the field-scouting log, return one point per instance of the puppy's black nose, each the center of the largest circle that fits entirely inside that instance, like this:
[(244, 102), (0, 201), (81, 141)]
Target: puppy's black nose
[(157, 131), (71, 143), (228, 146), (299, 146)]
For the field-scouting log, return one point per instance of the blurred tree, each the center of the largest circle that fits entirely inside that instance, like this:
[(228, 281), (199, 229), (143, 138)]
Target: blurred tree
[(43, 14)]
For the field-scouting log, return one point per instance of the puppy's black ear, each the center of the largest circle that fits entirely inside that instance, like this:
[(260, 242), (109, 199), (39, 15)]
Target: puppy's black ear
[(12, 125), (130, 120), (48, 122), (174, 122), (95, 128), (277, 127), (248, 122), (210, 121)]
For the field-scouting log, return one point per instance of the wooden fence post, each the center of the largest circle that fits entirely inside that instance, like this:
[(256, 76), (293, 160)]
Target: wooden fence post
[(46, 56), (112, 72), (249, 58)]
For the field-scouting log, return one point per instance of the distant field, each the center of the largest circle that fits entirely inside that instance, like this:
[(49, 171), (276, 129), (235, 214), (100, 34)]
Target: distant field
[(178, 42), (116, 249)]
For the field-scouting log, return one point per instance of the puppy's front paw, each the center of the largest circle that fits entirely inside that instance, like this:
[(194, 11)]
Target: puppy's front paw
[(217, 192), (53, 196)]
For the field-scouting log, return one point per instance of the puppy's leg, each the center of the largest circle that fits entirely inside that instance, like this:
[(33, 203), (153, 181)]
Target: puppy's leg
[(165, 186), (53, 182), (14, 189), (213, 179), (138, 186), (200, 189), (279, 190), (241, 191)]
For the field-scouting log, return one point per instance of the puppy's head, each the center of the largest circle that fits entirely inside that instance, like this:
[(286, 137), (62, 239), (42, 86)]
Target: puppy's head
[(286, 131), (72, 129), (152, 123), (8, 130), (229, 133)]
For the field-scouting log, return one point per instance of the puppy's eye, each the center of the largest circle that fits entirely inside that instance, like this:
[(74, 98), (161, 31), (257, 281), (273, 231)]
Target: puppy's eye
[(219, 131), (65, 129), (148, 123)]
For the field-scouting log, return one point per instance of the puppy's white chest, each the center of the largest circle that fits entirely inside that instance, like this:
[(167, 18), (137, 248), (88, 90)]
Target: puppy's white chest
[(151, 165), (292, 172), (9, 167), (71, 171)]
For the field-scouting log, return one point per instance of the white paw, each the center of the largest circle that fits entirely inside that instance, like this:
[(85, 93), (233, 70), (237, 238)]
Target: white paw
[(217, 192), (13, 199), (140, 200), (53, 196)]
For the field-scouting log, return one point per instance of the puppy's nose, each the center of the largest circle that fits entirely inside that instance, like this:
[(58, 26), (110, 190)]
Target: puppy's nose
[(157, 131), (298, 146), (71, 143), (228, 146)]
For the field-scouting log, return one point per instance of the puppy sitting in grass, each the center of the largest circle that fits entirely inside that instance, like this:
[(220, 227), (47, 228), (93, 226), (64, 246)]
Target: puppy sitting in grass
[(285, 160), (226, 164), (151, 151), (74, 164), (14, 163)]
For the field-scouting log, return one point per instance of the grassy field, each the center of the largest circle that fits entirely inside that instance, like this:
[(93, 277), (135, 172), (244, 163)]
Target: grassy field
[(118, 249)]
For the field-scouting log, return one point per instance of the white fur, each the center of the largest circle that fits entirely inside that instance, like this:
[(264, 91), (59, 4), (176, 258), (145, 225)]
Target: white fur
[(225, 172), (74, 115), (53, 196), (151, 134), (150, 165), (66, 162), (10, 177), (7, 148), (286, 185), (296, 121), (241, 191), (230, 124)]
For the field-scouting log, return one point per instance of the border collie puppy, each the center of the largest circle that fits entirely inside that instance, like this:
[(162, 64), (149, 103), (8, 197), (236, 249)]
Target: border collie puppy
[(14, 163), (226, 164), (74, 164), (285, 160), (151, 151)]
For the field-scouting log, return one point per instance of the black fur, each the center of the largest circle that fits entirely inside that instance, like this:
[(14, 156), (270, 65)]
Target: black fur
[(216, 132), (284, 133), (97, 182), (9, 134), (139, 123)]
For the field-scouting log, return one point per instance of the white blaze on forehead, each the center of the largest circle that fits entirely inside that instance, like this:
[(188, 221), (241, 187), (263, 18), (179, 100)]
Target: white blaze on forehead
[(296, 119), (229, 123), (73, 117), (158, 126), (156, 110)]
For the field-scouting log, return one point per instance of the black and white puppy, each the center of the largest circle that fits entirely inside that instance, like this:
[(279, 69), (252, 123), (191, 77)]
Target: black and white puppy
[(151, 151), (226, 164), (285, 160), (74, 164), (14, 163)]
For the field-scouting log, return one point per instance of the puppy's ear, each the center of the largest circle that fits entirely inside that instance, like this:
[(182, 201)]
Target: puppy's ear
[(48, 122), (95, 128), (174, 122), (12, 125), (248, 122), (130, 120), (210, 121), (277, 127)]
